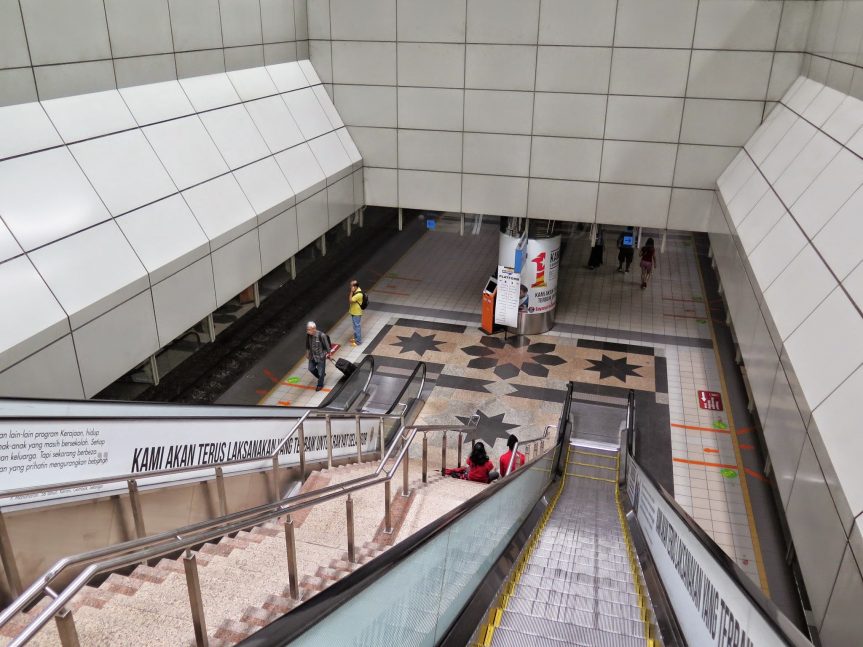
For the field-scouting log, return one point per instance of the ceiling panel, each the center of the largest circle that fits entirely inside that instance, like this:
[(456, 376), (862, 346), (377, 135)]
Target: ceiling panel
[(124, 170), (210, 91), (308, 113), (39, 320), (186, 150), (235, 135), (156, 102), (88, 284), (166, 236), (266, 188), (327, 105), (309, 72), (9, 247), (302, 170), (287, 76), (221, 208), (45, 196), (331, 156), (275, 123), (89, 115), (252, 83), (25, 128)]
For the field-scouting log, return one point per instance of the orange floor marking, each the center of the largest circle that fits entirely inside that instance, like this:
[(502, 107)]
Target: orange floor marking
[(692, 427), (743, 430), (755, 474), (271, 376), (305, 386), (707, 450), (284, 403), (262, 392), (704, 463), (746, 447)]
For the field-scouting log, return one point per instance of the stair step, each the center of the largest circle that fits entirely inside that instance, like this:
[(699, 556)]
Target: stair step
[(234, 631), (258, 616), (121, 584)]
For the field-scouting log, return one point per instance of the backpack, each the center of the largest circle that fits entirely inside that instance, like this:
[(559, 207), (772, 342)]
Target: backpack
[(365, 301), (325, 336)]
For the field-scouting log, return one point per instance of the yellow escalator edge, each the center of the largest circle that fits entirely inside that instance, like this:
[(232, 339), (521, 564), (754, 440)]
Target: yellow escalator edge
[(486, 632), (643, 602)]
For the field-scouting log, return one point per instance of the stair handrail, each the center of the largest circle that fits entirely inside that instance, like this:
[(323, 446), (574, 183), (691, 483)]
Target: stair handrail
[(316, 415), (34, 589), (156, 546)]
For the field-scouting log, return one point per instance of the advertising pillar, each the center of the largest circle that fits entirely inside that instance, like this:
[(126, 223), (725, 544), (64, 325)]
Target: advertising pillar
[(539, 263)]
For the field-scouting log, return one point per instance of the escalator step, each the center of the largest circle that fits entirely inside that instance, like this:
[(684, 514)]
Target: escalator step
[(571, 598), (578, 603), (578, 631)]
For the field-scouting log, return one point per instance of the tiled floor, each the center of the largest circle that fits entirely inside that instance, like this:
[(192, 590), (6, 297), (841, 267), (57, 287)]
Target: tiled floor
[(440, 278)]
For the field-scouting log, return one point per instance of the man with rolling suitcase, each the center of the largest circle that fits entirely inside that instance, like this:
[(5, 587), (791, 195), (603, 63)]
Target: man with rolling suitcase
[(318, 347)]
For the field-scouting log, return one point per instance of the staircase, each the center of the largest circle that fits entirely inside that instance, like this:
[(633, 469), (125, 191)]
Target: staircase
[(578, 586), (244, 578)]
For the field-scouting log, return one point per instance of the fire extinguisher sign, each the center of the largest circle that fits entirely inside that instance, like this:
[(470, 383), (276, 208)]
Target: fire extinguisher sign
[(710, 400)]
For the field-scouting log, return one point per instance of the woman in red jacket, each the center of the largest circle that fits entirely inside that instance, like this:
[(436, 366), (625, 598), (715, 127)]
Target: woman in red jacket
[(479, 467)]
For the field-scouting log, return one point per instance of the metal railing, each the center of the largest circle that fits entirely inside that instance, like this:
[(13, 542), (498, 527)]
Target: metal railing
[(521, 444), (419, 369), (184, 539), (7, 556)]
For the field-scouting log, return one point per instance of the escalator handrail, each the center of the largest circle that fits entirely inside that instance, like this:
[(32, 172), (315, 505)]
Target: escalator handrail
[(420, 367), (293, 625), (756, 597), (332, 395)]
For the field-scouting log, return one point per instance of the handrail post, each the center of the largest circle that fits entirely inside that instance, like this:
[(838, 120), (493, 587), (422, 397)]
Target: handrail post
[(65, 623), (291, 547), (381, 441), (193, 583), (275, 479), (349, 509), (425, 457), (388, 520), (66, 628), (329, 441), (220, 490), (359, 444), (460, 443), (7, 556), (443, 453), (137, 512), (406, 461), (301, 433)]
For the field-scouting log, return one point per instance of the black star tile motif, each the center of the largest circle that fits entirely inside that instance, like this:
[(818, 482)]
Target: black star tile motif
[(616, 368), (511, 356), (489, 429), (417, 343)]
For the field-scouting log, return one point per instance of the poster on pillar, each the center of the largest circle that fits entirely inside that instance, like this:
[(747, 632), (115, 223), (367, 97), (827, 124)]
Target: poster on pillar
[(508, 296), (539, 275)]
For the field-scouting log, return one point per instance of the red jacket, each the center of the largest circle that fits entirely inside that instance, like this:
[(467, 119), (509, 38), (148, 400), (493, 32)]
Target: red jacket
[(504, 462), (479, 473)]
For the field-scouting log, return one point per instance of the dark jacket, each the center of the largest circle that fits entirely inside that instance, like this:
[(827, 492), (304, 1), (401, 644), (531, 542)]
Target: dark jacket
[(317, 346)]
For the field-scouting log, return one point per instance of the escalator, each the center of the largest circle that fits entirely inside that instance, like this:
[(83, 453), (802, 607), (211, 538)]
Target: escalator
[(578, 547), (367, 390)]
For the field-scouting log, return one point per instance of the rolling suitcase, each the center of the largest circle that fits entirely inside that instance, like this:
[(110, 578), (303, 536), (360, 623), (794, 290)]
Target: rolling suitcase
[(345, 366)]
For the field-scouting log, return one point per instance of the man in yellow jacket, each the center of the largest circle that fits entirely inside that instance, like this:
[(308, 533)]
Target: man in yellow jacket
[(355, 310)]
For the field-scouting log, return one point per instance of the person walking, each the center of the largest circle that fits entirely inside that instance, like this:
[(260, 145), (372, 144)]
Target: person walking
[(317, 349), (626, 249), (648, 262), (511, 442), (597, 251), (355, 310)]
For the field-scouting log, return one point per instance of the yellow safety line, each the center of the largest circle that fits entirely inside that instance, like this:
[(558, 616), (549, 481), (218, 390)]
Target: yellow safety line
[(741, 473), (592, 478), (599, 467), (486, 631), (635, 570), (581, 453)]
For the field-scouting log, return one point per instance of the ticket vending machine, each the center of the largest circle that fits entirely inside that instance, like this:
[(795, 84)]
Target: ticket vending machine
[(488, 297)]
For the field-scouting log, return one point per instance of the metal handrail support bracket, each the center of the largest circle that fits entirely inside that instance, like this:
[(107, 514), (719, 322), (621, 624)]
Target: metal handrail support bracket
[(329, 422), (291, 548), (513, 459), (7, 556), (443, 453), (137, 511), (460, 443), (349, 510), (275, 478), (623, 455), (425, 458), (388, 519), (302, 440), (358, 434), (65, 623), (220, 490), (193, 583), (406, 490)]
